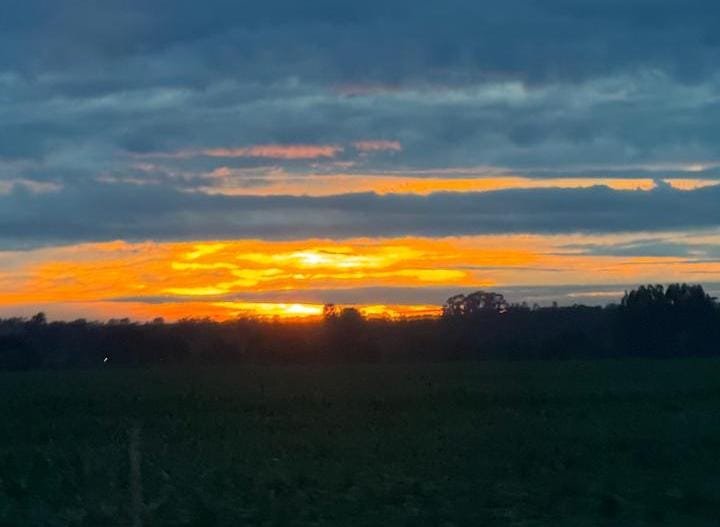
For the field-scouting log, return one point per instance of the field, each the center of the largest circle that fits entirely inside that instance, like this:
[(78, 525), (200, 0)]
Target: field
[(522, 443)]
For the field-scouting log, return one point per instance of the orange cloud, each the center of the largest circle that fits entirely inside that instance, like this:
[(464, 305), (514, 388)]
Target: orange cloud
[(270, 151), (227, 278), (234, 182), (277, 151)]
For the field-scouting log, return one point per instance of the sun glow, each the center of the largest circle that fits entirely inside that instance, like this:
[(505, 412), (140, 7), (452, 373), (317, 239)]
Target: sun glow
[(293, 279), (271, 310)]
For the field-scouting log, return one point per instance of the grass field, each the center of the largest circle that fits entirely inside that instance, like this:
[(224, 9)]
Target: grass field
[(531, 443)]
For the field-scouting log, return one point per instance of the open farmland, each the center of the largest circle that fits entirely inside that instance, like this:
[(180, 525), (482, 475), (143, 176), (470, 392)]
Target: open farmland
[(508, 443)]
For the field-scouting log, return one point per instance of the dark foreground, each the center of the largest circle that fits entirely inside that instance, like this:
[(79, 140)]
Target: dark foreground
[(535, 443)]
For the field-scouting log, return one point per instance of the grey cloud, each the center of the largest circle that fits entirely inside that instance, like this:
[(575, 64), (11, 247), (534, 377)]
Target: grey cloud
[(356, 295), (386, 41), (549, 130), (153, 212), (663, 247), (542, 295), (538, 88)]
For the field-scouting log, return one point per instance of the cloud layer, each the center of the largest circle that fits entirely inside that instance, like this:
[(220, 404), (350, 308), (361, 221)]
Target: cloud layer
[(178, 120), (139, 212), (563, 87)]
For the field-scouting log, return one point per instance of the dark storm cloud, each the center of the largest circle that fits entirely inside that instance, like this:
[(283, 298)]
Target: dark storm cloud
[(152, 212), (372, 40), (90, 90)]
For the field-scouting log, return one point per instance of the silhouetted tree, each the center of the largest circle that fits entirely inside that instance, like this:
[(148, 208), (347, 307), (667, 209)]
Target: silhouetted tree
[(678, 320), (38, 319), (348, 334), (652, 320), (331, 311), (479, 302)]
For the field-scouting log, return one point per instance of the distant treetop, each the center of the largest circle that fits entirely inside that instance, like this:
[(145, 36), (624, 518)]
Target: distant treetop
[(479, 302)]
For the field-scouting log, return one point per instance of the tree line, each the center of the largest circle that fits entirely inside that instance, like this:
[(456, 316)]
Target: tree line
[(650, 321)]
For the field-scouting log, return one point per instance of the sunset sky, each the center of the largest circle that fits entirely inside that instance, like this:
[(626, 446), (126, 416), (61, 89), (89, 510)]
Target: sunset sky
[(178, 158)]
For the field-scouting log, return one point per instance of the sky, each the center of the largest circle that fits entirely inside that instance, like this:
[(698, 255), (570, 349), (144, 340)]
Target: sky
[(226, 158)]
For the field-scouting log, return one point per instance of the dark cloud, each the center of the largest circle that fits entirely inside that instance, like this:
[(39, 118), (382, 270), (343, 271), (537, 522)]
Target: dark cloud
[(153, 212), (577, 88), (373, 40)]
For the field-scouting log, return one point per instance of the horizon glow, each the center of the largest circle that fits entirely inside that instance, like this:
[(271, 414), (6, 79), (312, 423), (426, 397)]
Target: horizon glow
[(293, 279)]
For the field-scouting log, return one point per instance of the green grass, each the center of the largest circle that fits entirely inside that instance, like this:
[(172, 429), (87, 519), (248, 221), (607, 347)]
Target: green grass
[(531, 443)]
